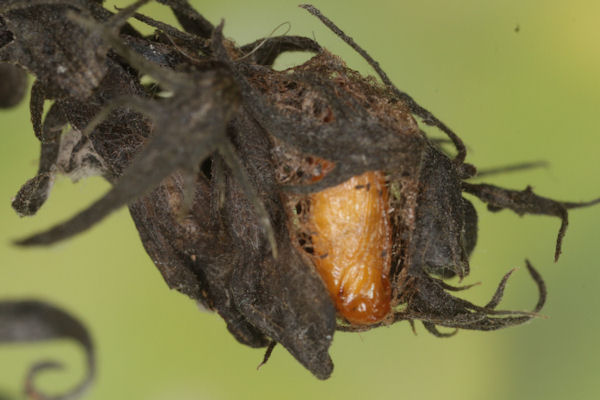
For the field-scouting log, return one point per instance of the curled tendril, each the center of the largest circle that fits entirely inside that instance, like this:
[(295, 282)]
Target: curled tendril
[(36, 321)]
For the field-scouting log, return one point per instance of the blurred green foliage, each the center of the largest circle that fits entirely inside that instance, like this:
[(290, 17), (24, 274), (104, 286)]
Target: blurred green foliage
[(518, 80)]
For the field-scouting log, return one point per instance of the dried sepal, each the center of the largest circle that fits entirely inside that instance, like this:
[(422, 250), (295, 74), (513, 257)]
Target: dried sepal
[(73, 70), (190, 19), (210, 100), (13, 81), (526, 202)]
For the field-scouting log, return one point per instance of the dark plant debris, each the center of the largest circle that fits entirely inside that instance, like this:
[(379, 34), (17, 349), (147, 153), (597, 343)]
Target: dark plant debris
[(35, 321), (219, 157), (13, 85)]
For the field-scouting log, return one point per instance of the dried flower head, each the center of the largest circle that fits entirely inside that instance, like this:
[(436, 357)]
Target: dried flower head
[(293, 203)]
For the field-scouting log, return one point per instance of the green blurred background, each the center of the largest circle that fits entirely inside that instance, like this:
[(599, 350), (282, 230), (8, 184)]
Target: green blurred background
[(518, 80)]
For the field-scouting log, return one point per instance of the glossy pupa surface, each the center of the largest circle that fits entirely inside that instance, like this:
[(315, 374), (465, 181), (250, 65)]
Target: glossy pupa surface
[(351, 238)]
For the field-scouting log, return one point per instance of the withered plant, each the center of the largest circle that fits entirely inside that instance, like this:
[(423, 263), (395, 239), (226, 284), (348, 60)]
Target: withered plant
[(230, 167)]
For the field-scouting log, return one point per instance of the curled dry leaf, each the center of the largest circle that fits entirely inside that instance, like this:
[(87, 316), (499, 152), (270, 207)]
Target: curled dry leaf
[(35, 321), (293, 203)]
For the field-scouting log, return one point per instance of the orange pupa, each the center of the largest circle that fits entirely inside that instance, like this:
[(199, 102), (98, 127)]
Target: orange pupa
[(351, 238)]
